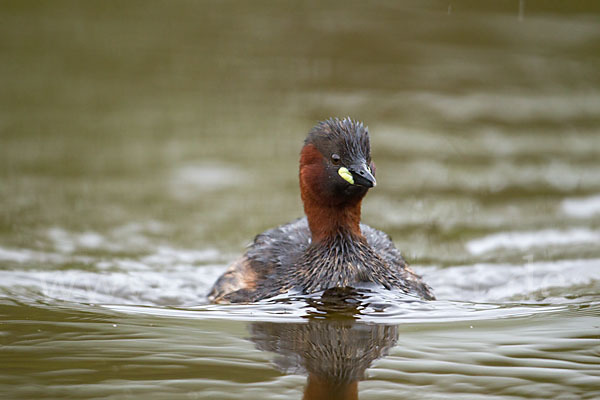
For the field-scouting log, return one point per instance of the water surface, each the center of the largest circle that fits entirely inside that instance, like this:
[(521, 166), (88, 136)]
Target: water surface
[(143, 145)]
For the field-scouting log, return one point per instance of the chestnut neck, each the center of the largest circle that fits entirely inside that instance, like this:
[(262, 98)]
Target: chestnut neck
[(330, 221)]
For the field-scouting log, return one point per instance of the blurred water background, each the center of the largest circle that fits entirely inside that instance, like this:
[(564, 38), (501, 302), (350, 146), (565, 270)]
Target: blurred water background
[(144, 144)]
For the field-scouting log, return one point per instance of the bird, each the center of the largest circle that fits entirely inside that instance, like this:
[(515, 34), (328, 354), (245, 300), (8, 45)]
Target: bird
[(329, 247)]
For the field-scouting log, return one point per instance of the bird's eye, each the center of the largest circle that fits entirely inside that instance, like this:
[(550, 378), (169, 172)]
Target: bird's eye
[(335, 159)]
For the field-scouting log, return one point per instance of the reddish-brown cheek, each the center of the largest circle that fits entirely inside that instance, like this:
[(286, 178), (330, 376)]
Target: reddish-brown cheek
[(312, 171), (310, 155), (312, 177)]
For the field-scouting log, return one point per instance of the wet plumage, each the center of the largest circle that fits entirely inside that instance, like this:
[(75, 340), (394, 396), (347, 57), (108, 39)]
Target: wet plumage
[(330, 247)]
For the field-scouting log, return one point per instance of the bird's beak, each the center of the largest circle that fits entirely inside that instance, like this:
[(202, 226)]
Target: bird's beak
[(362, 175)]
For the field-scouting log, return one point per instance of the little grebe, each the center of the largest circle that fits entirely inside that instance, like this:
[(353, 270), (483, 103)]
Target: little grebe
[(330, 247)]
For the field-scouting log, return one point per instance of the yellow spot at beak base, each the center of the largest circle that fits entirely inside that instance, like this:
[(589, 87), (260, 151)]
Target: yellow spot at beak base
[(346, 175)]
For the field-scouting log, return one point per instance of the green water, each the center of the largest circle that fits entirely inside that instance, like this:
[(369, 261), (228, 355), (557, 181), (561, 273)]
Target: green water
[(144, 144)]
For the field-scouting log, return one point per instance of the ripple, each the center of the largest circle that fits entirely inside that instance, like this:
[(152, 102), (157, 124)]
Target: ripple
[(380, 307), (136, 283), (131, 237), (581, 207), (526, 240), (194, 179), (27, 256), (533, 359), (516, 106), (499, 282)]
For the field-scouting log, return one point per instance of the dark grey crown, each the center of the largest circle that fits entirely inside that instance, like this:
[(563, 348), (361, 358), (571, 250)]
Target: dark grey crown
[(352, 136)]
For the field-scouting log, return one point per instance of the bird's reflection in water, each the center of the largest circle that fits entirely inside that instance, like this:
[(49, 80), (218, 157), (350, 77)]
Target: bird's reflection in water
[(331, 348)]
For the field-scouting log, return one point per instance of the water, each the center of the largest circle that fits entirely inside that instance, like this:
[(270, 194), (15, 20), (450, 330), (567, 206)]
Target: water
[(143, 145)]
